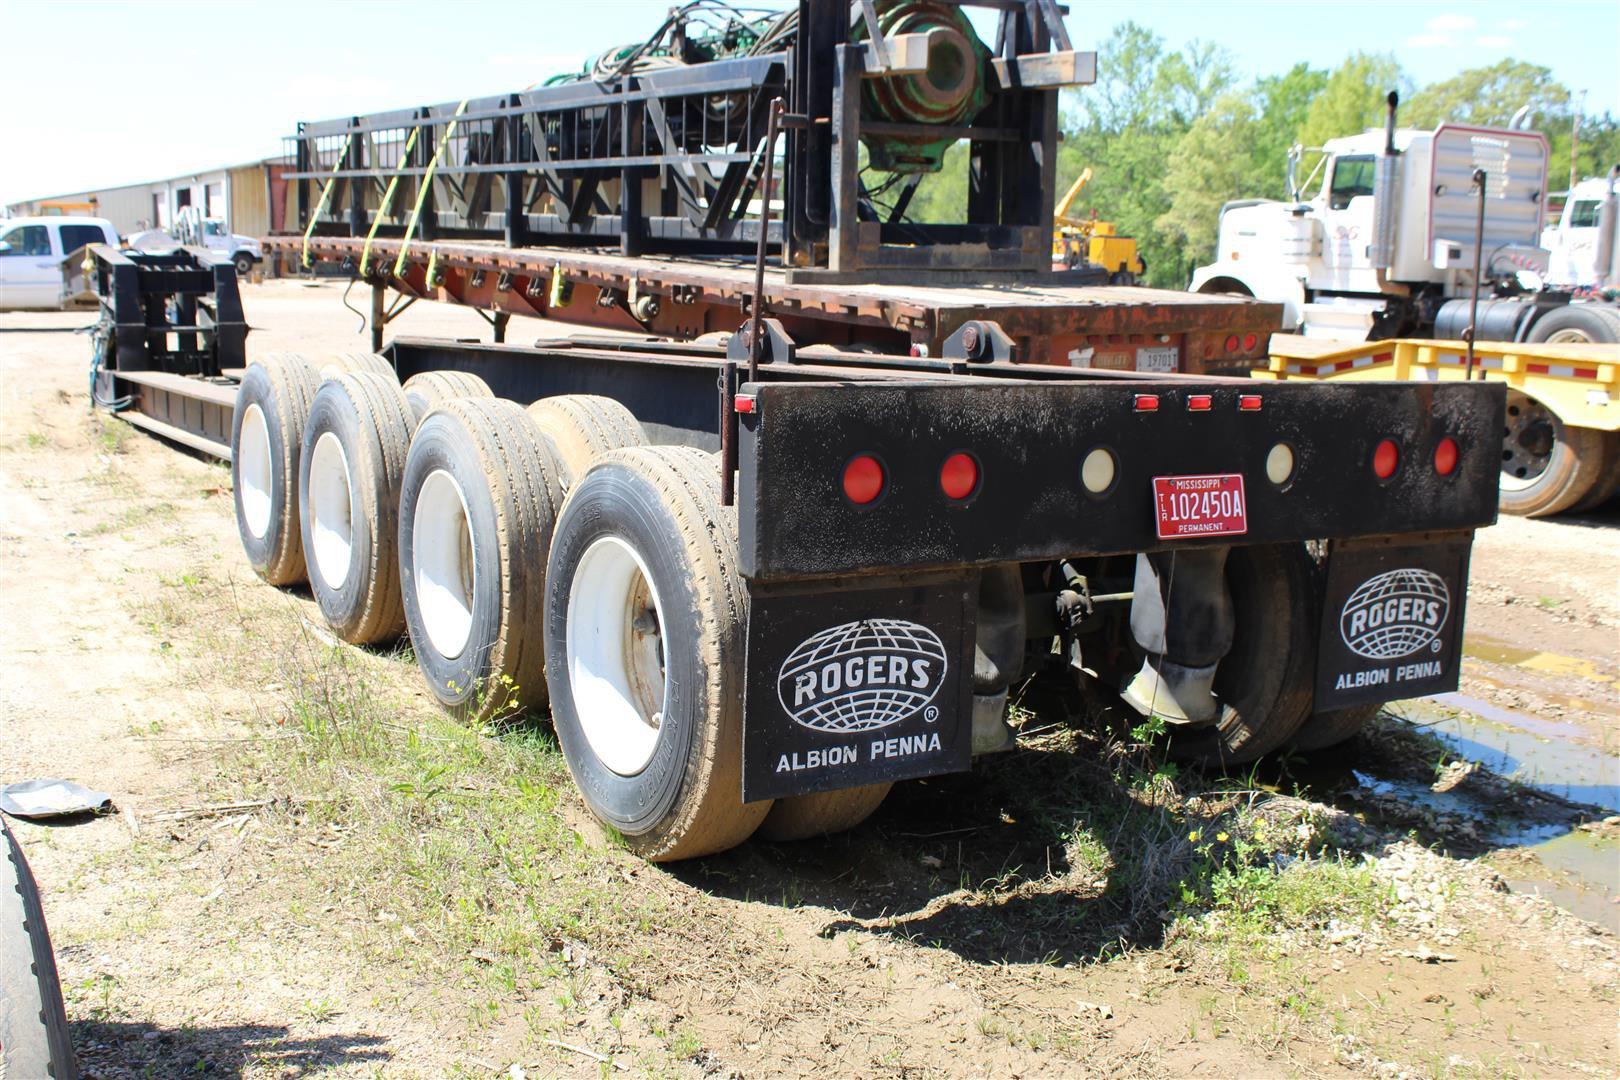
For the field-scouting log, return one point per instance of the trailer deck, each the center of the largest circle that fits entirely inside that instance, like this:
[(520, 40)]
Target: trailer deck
[(1056, 318)]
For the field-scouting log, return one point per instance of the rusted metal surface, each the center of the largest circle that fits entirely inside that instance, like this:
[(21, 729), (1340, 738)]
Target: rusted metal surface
[(1051, 321)]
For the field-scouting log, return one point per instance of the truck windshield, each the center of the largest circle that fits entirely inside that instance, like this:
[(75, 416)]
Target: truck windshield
[(213, 228), (1352, 176)]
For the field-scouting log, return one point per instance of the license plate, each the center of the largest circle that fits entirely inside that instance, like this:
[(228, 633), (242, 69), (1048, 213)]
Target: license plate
[(1189, 506), (1156, 358)]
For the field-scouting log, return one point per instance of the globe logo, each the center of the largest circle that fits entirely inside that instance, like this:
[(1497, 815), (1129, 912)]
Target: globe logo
[(861, 676), (1395, 613)]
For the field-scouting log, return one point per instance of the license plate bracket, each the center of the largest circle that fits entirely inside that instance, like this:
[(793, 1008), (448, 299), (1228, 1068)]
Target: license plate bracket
[(1189, 507)]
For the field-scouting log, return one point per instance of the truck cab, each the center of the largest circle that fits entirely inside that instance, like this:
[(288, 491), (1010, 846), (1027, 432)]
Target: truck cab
[(31, 253), (1380, 233), (1584, 241)]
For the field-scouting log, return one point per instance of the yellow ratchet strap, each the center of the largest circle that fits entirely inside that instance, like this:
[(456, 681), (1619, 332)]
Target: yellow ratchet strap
[(421, 192), (387, 202), (326, 193)]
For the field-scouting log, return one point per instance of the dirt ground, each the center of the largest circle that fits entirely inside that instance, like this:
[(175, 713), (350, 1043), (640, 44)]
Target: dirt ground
[(311, 870)]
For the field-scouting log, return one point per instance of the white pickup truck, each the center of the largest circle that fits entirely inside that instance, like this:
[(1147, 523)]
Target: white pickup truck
[(31, 253)]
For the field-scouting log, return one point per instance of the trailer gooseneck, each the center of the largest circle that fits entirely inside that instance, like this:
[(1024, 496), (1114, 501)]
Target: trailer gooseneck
[(756, 586)]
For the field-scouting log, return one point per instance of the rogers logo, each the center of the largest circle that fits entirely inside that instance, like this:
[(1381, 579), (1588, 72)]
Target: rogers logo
[(1395, 614), (862, 676)]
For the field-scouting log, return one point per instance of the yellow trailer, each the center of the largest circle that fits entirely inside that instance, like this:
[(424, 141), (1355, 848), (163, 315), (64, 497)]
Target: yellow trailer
[(1561, 443)]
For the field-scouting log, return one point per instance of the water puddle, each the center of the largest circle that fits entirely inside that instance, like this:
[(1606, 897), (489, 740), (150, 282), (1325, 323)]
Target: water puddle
[(1500, 652), (1577, 870)]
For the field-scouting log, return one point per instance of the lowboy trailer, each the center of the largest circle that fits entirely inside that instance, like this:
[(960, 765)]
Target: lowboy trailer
[(753, 600), (758, 577)]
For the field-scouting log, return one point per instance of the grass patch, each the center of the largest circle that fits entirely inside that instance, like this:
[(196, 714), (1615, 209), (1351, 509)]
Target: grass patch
[(424, 844), (445, 836)]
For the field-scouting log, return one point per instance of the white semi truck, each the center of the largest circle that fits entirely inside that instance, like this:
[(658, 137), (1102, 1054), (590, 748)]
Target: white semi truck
[(1383, 245), (1585, 244)]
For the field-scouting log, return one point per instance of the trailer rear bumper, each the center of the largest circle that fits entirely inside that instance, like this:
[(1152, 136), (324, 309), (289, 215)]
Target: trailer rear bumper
[(862, 634), (1031, 444)]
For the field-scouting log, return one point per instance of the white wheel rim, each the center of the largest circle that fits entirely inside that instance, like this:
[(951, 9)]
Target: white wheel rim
[(1522, 466), (444, 564), (253, 472), (615, 655), (331, 508)]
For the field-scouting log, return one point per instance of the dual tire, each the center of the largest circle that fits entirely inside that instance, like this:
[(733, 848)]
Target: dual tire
[(1264, 682), (635, 576), (1549, 466), (646, 617), (350, 467)]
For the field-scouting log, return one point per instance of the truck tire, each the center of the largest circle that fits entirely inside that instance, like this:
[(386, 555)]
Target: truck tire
[(243, 263), (583, 427), (1325, 729), (355, 443), (430, 388), (1547, 465), (375, 363), (34, 1038), (267, 436), (477, 506), (1589, 322), (645, 619), (1265, 680), (1608, 481), (804, 816)]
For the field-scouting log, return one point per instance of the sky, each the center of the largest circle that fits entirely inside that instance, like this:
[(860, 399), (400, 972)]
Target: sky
[(183, 85)]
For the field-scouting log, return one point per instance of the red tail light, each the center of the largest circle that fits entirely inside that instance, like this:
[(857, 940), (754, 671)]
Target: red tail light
[(1250, 341), (1232, 343), (1249, 402), (1386, 459), (863, 479), (743, 403), (1445, 456), (1199, 402), (959, 476), (1147, 402)]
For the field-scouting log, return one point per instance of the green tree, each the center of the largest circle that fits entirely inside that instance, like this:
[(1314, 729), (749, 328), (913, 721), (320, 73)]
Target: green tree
[(1283, 102), (1188, 82), (1490, 97), (1216, 160), (1352, 98)]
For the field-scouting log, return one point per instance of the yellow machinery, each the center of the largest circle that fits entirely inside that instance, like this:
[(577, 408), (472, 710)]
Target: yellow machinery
[(1079, 241)]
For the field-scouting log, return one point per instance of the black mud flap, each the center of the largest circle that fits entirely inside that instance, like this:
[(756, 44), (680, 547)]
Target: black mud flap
[(857, 686), (1392, 619)]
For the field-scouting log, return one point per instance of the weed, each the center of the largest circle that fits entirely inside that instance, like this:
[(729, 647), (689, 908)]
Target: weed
[(38, 440), (317, 1010)]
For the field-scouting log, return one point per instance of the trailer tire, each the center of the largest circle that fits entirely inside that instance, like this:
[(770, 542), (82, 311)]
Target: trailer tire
[(1608, 481), (1571, 460), (355, 444), (643, 585), (34, 1040), (1265, 680), (375, 363), (583, 427), (430, 388), (267, 436), (1577, 323), (1325, 729), (477, 506), (804, 816)]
